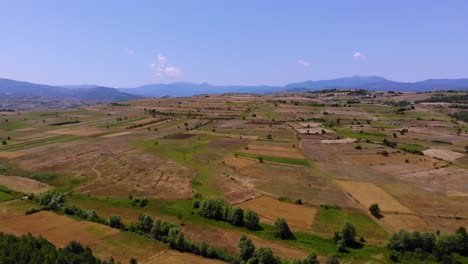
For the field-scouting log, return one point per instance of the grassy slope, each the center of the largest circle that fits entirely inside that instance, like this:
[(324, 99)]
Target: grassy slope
[(181, 209)]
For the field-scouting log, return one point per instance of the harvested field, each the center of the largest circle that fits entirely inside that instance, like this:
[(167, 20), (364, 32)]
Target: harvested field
[(338, 141), (449, 180), (269, 209), (239, 162), (274, 151), (82, 131), (105, 242), (366, 193), (59, 230), (117, 134), (443, 154), (203, 132), (10, 155), (22, 184), (395, 222), (174, 257)]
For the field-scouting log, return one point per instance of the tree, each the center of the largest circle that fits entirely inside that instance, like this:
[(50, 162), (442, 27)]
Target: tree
[(265, 256), (251, 220), (114, 221), (133, 261), (348, 233), (246, 248), (375, 210), (282, 230), (235, 216), (145, 223)]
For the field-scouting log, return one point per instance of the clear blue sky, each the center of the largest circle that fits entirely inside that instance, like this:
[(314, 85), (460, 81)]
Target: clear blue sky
[(128, 43)]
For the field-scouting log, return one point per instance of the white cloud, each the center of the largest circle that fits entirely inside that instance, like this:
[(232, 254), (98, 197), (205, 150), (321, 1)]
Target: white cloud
[(304, 63), (129, 51), (163, 69), (358, 55)]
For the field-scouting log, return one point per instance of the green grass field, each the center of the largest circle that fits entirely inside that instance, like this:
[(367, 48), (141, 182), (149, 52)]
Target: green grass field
[(330, 220), (291, 161)]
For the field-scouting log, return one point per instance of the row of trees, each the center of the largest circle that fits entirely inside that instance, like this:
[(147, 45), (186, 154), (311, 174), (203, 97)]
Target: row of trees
[(32, 250), (439, 247), (219, 210)]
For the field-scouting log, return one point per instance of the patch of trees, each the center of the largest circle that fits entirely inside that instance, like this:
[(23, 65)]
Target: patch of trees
[(445, 248), (463, 98), (65, 123), (248, 253), (463, 115), (172, 235), (389, 143), (219, 210), (146, 123), (346, 237), (32, 250)]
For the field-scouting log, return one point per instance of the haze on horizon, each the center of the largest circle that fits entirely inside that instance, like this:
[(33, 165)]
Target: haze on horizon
[(128, 43)]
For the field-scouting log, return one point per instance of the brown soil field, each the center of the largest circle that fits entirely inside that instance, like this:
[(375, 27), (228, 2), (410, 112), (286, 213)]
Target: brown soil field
[(139, 174), (112, 168), (269, 209), (366, 193), (82, 131), (443, 154), (400, 169), (117, 134), (294, 182), (22, 184), (449, 180), (10, 155), (239, 162)]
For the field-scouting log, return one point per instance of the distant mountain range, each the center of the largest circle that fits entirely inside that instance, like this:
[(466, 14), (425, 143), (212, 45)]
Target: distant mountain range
[(106, 94), (91, 94), (377, 83)]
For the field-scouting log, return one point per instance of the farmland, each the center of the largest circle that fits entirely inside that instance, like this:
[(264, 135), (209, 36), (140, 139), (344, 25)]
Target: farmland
[(309, 158)]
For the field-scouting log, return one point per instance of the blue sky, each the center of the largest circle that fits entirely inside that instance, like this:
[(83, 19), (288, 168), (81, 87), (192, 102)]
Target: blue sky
[(129, 43)]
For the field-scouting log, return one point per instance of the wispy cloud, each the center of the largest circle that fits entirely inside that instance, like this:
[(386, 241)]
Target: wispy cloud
[(358, 55), (163, 69), (130, 51), (304, 63)]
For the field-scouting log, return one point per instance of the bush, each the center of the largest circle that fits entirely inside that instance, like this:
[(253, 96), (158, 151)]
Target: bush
[(251, 220), (375, 210), (282, 230), (114, 221)]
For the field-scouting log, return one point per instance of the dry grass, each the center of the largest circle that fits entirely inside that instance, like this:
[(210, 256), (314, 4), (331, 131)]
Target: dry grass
[(22, 184), (10, 155), (366, 193), (239, 162), (443, 154), (81, 131), (117, 134), (269, 209)]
